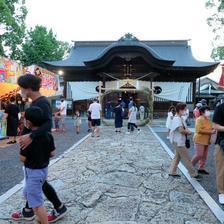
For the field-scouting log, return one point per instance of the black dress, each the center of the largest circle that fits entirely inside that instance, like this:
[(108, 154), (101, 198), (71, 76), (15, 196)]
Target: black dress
[(12, 120), (118, 116)]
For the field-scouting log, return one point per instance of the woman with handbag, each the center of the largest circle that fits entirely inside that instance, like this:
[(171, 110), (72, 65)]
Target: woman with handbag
[(202, 136), (179, 141)]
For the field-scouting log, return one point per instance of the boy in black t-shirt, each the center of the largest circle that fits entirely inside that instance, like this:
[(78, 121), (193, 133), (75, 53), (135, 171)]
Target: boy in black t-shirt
[(30, 88), (36, 159)]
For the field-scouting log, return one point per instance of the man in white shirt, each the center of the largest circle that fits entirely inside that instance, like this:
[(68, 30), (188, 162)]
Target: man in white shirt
[(63, 112), (95, 109)]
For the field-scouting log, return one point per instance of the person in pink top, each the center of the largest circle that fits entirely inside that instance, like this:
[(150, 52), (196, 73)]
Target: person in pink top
[(196, 111)]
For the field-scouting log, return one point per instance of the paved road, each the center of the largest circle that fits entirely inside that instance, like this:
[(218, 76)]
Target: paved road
[(10, 166), (208, 182), (120, 179)]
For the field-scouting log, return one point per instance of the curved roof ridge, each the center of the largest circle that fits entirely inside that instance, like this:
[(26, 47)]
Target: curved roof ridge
[(127, 43)]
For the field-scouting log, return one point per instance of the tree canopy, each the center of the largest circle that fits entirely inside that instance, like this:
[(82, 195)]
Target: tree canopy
[(216, 22), (29, 46), (41, 45), (12, 27)]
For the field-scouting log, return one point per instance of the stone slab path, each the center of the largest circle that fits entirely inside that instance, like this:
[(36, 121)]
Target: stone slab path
[(121, 179)]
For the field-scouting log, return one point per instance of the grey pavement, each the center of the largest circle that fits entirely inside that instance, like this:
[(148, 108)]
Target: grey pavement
[(120, 179), (10, 166)]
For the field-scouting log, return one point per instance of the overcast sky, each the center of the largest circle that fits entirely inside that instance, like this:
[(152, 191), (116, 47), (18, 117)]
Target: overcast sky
[(111, 19)]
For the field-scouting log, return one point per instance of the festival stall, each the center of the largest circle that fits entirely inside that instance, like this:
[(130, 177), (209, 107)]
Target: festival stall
[(10, 71)]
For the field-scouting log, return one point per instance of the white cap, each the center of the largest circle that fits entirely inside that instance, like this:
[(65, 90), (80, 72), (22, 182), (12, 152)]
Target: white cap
[(199, 105)]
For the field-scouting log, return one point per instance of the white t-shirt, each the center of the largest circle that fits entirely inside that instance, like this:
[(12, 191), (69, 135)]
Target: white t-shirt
[(185, 117), (95, 109), (175, 135), (63, 108), (169, 120), (133, 115)]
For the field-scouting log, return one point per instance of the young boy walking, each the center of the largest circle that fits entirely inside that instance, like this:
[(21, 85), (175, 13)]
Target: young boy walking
[(36, 159), (30, 88), (77, 122), (57, 117)]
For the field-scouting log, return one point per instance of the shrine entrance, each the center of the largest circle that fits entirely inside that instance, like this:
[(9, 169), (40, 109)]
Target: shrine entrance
[(129, 61), (143, 99)]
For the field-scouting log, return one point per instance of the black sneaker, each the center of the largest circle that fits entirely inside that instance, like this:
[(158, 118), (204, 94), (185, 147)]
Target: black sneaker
[(57, 214), (198, 177), (175, 175), (23, 215), (203, 172)]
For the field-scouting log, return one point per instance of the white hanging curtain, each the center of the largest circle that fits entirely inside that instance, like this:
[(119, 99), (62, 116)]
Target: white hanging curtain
[(83, 90), (171, 91)]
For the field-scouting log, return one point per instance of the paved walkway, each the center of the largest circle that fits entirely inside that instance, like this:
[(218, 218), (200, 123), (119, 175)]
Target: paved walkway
[(121, 179), (11, 167)]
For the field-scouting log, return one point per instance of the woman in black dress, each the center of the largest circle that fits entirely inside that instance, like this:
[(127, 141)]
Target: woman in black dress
[(11, 117), (118, 110)]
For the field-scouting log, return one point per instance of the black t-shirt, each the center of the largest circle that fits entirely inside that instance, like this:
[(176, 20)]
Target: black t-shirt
[(218, 118), (38, 152), (44, 104)]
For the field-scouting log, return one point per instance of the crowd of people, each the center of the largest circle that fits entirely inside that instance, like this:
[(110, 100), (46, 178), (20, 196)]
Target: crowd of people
[(125, 103), (119, 111), (37, 143), (207, 132)]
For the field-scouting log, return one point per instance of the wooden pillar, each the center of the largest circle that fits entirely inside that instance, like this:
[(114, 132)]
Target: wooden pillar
[(104, 81), (152, 99), (151, 80), (100, 98), (65, 88), (199, 87), (194, 92)]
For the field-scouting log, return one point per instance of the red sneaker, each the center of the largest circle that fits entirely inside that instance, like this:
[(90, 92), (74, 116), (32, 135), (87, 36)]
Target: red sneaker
[(55, 215), (23, 215)]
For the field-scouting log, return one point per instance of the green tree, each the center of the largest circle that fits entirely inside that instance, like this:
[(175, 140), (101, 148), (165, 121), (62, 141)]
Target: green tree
[(12, 27), (41, 45), (216, 22)]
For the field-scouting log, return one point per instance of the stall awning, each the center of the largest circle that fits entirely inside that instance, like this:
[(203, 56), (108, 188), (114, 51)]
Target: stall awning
[(7, 89), (47, 92)]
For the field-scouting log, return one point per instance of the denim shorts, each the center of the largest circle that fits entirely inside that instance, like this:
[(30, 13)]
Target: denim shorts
[(32, 191)]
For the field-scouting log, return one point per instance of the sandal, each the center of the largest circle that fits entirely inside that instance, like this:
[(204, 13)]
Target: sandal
[(11, 142), (175, 175)]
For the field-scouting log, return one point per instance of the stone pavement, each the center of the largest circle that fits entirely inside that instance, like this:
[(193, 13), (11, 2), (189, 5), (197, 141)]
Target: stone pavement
[(121, 179)]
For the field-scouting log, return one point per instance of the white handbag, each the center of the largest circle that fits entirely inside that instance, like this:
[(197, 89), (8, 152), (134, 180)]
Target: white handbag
[(213, 138)]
